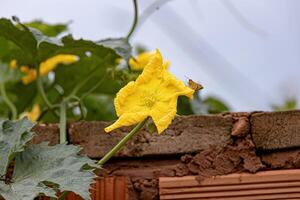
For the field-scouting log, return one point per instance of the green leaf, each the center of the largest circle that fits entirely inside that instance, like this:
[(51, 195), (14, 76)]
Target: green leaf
[(20, 37), (23, 96), (95, 65), (215, 105), (184, 106), (40, 47), (289, 104), (50, 30), (24, 190), (4, 109), (78, 47), (27, 39), (40, 38), (120, 45), (13, 137), (209, 105), (7, 74), (39, 166), (100, 107)]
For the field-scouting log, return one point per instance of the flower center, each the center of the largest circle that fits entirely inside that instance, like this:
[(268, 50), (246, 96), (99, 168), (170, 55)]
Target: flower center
[(148, 100)]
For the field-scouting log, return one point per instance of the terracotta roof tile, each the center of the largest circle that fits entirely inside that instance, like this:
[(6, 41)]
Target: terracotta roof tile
[(110, 188), (281, 184)]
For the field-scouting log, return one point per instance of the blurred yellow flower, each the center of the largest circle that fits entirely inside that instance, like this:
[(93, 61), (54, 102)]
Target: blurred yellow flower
[(30, 74), (32, 115), (154, 93), (138, 63), (51, 63), (45, 67), (13, 64)]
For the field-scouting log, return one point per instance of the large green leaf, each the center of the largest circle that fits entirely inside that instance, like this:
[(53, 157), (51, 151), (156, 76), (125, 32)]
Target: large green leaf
[(6, 49), (4, 109), (13, 137), (50, 30), (60, 167), (8, 74), (23, 38), (23, 96), (100, 107), (120, 45), (27, 39), (98, 61)]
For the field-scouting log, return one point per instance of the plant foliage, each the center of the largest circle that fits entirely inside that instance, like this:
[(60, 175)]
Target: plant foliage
[(40, 169)]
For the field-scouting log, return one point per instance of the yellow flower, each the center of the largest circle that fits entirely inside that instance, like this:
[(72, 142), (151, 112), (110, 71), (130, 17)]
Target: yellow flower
[(13, 64), (154, 93), (51, 63), (138, 63), (30, 74), (45, 67), (34, 114)]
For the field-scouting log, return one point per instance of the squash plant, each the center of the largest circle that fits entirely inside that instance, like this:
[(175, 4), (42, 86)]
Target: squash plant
[(50, 77), (39, 169), (27, 52)]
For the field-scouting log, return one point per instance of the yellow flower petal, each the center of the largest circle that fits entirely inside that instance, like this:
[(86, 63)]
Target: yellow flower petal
[(153, 70), (172, 85), (166, 64), (154, 93), (140, 62), (46, 66), (30, 74), (51, 63), (126, 91), (32, 115), (163, 113), (13, 64), (126, 120)]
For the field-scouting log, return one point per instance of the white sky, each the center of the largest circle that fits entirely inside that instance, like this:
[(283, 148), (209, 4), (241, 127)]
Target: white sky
[(244, 51)]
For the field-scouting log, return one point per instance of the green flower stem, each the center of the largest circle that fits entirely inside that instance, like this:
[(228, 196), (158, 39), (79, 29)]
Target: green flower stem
[(82, 83), (63, 123), (116, 148), (87, 78), (8, 102), (80, 105), (93, 88), (41, 90), (135, 20)]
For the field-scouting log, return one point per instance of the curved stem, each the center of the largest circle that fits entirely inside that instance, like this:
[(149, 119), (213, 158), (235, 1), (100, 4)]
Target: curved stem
[(87, 78), (93, 88), (78, 103), (45, 110), (116, 148), (8, 102), (82, 83), (135, 20), (63, 123), (42, 92)]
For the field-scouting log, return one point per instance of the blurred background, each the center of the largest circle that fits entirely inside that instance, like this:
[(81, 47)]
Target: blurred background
[(244, 52)]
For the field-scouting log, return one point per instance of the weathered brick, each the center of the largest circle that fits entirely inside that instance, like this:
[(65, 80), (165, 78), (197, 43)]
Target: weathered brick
[(46, 133), (276, 130), (186, 134)]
